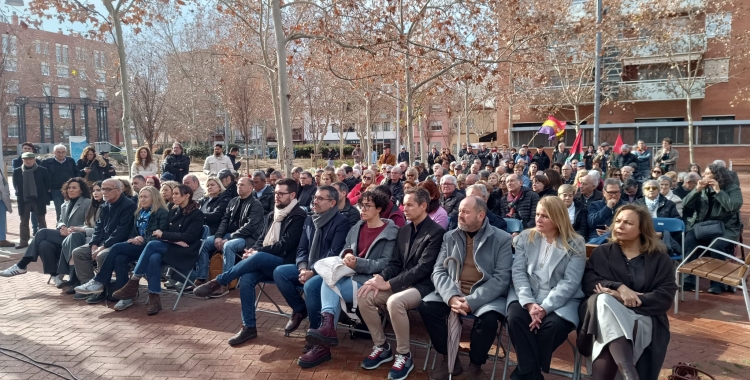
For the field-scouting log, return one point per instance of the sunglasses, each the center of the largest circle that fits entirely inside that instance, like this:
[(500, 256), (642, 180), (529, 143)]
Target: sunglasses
[(650, 188)]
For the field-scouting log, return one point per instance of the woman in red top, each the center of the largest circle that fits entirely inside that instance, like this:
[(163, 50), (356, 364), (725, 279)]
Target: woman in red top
[(368, 178)]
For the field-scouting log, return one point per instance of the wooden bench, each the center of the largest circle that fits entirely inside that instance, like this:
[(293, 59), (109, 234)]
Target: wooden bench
[(738, 162)]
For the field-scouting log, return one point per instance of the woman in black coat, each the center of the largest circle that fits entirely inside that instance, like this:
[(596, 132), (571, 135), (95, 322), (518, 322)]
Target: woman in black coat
[(656, 204), (630, 287), (91, 166), (580, 214), (214, 204), (178, 247)]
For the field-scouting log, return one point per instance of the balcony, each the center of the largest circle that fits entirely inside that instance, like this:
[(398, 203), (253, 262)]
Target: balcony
[(643, 51), (634, 7), (660, 90)]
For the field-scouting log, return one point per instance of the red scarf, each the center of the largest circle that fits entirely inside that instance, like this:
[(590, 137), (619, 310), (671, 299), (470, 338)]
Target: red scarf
[(512, 203)]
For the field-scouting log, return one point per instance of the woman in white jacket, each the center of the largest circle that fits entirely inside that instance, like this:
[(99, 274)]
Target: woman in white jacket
[(144, 163)]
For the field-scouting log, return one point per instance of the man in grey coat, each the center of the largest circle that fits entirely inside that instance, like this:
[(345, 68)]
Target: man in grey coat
[(482, 261)]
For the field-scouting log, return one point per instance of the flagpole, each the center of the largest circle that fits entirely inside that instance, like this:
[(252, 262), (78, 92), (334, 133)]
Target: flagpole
[(532, 138)]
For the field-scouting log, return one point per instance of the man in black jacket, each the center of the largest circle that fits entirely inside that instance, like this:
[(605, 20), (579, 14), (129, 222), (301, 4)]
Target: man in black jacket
[(588, 193), (451, 197), (624, 158), (60, 169), (228, 179), (276, 246), (15, 164), (541, 158), (560, 154), (307, 190), (403, 156), (177, 163), (345, 207), (263, 192), (32, 186), (350, 179), (523, 205), (240, 228), (403, 283), (113, 226), (233, 157), (396, 185)]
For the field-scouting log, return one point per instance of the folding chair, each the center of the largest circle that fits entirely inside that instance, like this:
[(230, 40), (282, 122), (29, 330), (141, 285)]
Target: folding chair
[(186, 278), (261, 292), (514, 225), (671, 225), (732, 272)]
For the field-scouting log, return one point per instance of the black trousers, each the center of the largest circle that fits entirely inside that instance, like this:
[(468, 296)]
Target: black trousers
[(26, 210), (534, 349), (483, 333)]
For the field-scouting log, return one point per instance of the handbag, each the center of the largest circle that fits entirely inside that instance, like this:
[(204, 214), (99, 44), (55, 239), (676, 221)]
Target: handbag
[(685, 371), (708, 230), (216, 267)]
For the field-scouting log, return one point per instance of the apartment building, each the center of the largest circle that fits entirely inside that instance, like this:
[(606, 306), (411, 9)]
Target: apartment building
[(646, 90), (54, 85)]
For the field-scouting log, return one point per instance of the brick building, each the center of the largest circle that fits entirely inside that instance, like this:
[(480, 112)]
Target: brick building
[(59, 80), (647, 103)]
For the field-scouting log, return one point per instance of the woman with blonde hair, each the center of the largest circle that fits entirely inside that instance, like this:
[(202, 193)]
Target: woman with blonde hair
[(214, 204), (328, 178), (91, 166), (579, 175), (167, 188), (543, 304), (368, 178), (630, 286), (144, 163)]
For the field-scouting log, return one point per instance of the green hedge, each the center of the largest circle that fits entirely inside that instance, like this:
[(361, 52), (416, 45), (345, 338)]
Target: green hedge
[(306, 150)]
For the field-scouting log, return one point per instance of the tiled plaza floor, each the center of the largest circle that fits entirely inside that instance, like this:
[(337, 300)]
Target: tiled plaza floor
[(95, 342)]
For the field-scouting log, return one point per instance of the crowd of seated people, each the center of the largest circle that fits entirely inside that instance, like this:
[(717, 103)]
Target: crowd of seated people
[(434, 239)]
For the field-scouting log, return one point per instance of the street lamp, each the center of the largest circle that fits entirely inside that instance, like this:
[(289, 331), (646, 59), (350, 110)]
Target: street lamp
[(598, 69)]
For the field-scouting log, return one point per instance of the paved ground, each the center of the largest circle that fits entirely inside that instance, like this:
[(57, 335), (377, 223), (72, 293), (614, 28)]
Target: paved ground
[(95, 342)]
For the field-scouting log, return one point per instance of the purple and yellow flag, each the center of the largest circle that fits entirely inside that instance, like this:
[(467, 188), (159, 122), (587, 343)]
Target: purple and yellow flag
[(552, 127)]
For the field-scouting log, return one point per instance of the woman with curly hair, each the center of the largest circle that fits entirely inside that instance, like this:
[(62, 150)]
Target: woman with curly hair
[(153, 181), (91, 166), (144, 163)]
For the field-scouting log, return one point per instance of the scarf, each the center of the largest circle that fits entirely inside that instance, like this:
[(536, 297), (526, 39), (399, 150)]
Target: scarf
[(512, 203), (279, 214), (652, 205), (319, 221), (142, 221), (29, 182)]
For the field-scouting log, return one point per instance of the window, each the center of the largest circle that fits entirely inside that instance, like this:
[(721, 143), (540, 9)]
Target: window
[(436, 108), (101, 76), (46, 90), (11, 64), (386, 126), (334, 128), (13, 130), (12, 87), (718, 134), (9, 44), (718, 25), (101, 94), (375, 127), (61, 52), (82, 74), (79, 53), (83, 93), (45, 48), (45, 69), (63, 91), (12, 109), (99, 59), (716, 70), (64, 112), (62, 71), (436, 125), (38, 46)]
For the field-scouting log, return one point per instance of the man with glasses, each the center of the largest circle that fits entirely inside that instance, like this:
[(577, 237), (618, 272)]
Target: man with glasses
[(520, 203), (240, 228), (323, 235), (396, 185), (625, 157), (567, 174), (588, 193), (345, 207), (350, 180), (450, 198), (307, 190), (276, 246), (176, 163), (262, 191), (113, 226), (601, 212)]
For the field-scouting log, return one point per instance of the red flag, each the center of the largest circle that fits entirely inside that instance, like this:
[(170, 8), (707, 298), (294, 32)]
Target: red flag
[(618, 144)]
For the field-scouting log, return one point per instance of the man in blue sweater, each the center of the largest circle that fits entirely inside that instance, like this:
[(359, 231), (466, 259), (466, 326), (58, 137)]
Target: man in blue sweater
[(602, 212)]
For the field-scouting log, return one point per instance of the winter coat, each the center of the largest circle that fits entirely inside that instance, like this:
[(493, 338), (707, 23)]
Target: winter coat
[(355, 193), (378, 254), (186, 228), (525, 207), (581, 224), (98, 166), (622, 160), (115, 222), (397, 191), (644, 161), (560, 156), (306, 195), (665, 209), (77, 216), (149, 170), (176, 165), (158, 220), (213, 210), (41, 178), (60, 172), (250, 224), (493, 258), (601, 215), (565, 277), (726, 206), (351, 213), (333, 237), (290, 232), (451, 203), (542, 161), (595, 196), (670, 164), (267, 199)]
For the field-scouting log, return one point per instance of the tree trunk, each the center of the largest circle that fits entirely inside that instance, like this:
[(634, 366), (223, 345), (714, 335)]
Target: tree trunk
[(409, 108), (368, 134), (124, 82), (276, 113), (287, 153), (689, 107)]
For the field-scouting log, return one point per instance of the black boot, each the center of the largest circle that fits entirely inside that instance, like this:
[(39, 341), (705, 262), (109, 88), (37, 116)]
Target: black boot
[(73, 281)]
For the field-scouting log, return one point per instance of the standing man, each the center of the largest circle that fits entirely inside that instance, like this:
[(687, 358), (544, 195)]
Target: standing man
[(644, 156), (483, 154), (667, 157), (374, 155), (177, 163), (60, 169), (331, 156), (483, 260), (233, 153), (625, 158), (218, 161), (560, 154), (404, 155), (463, 151), (432, 156), (192, 182), (17, 163), (387, 158), (358, 155), (603, 155), (541, 158), (263, 192), (402, 284), (32, 186)]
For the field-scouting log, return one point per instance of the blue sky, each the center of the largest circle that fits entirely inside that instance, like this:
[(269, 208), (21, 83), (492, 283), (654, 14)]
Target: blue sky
[(51, 25)]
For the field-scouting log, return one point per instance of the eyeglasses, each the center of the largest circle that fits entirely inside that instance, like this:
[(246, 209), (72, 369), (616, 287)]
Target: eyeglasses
[(366, 206), (387, 172), (107, 189), (367, 178), (650, 188), (321, 199), (656, 171), (410, 175), (281, 193)]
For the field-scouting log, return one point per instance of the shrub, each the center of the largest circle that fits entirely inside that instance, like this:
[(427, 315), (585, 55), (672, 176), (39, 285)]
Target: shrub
[(199, 151), (306, 150)]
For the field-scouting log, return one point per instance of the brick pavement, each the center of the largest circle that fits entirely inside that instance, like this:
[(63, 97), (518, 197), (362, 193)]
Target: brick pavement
[(95, 342)]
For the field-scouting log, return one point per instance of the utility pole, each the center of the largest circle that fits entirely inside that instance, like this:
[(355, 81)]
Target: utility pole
[(398, 116), (598, 72)]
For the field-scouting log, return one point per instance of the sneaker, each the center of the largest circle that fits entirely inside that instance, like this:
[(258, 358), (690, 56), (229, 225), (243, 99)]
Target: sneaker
[(379, 355), (401, 367), (220, 293), (170, 284), (716, 289), (57, 281), (80, 296), (96, 298), (91, 287), (12, 271), (123, 304)]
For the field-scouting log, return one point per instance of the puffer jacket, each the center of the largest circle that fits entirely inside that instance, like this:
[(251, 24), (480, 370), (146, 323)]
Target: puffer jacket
[(525, 207)]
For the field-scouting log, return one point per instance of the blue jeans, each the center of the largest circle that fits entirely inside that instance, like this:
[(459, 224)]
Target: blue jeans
[(330, 301), (204, 257), (3, 221), (231, 249), (118, 260), (34, 223), (58, 200), (149, 264), (286, 278), (257, 268)]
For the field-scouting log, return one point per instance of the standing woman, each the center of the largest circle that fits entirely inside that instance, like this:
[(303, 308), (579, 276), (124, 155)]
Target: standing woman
[(5, 207), (91, 166), (47, 243), (144, 163), (547, 271), (630, 287), (588, 157), (177, 246)]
